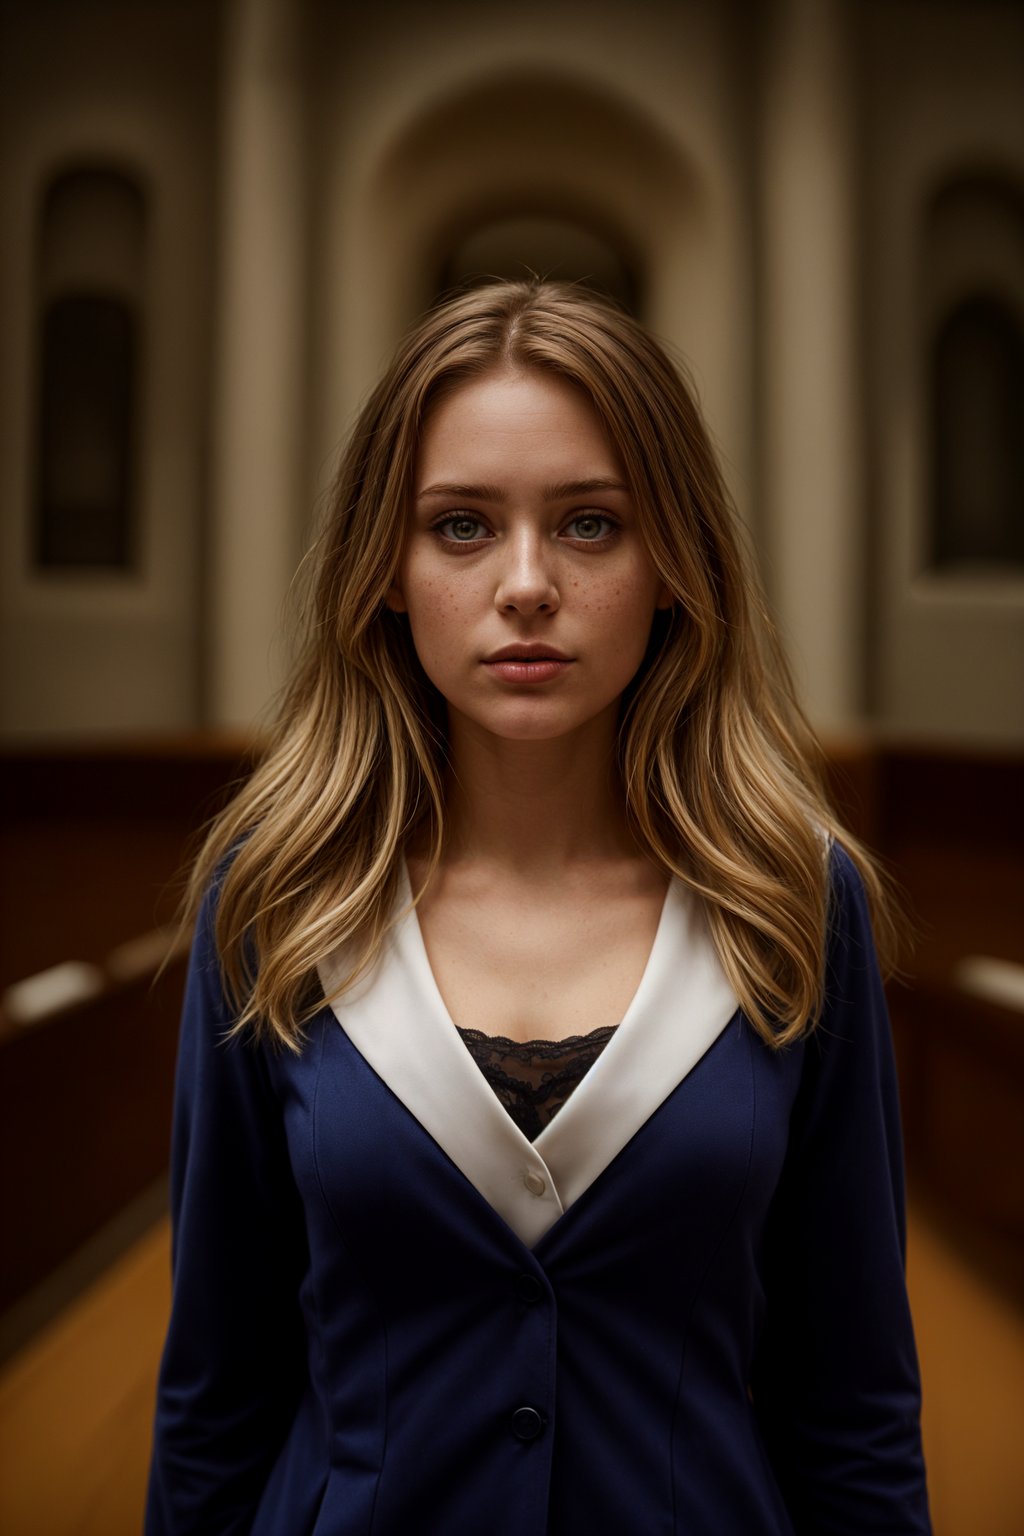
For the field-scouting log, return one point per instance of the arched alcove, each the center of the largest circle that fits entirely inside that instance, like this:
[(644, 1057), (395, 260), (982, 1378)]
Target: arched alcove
[(91, 265), (526, 153), (949, 631), (544, 247), (973, 286), (545, 160), (977, 433)]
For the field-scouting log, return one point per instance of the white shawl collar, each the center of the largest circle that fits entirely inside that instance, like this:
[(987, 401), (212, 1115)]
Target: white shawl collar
[(397, 1020)]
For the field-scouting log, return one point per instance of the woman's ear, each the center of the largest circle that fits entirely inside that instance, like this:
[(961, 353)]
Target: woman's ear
[(394, 599), (664, 598)]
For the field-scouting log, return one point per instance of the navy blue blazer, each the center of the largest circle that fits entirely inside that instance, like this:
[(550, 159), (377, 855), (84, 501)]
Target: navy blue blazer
[(681, 1311)]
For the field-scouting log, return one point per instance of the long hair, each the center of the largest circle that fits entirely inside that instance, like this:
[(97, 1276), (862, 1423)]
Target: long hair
[(720, 772)]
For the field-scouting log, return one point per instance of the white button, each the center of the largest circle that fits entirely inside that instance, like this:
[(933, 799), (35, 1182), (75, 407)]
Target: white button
[(534, 1183)]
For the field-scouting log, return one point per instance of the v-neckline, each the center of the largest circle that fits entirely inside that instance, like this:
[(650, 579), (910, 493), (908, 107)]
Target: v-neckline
[(406, 898), (398, 1021)]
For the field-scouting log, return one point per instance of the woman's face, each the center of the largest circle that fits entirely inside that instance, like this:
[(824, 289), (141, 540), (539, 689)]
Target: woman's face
[(523, 534)]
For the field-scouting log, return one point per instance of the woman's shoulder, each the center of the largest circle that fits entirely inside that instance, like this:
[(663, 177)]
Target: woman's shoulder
[(848, 897), (844, 877), (207, 890)]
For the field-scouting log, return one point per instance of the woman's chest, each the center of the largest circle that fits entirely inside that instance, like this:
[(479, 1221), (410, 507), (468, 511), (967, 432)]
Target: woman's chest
[(397, 1023), (537, 970), (470, 1195)]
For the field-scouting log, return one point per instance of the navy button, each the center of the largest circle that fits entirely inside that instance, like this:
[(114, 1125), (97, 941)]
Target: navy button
[(527, 1423), (528, 1288)]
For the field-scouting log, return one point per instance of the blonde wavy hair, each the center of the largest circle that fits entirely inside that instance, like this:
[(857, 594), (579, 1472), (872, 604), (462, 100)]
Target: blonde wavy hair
[(720, 772)]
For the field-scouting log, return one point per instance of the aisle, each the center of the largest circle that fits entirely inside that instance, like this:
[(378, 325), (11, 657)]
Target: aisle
[(971, 1345), (75, 1405)]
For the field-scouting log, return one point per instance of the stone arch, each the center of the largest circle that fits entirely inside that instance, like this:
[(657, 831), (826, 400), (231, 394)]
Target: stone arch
[(551, 247), (530, 144), (540, 144), (971, 237)]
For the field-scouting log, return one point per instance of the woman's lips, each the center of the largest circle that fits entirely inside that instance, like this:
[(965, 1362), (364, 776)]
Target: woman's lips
[(540, 669)]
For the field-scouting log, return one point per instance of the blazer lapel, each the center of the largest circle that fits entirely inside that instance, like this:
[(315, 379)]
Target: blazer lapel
[(678, 1011), (397, 1020)]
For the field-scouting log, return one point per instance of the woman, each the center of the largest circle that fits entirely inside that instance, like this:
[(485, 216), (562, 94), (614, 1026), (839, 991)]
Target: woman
[(537, 1159)]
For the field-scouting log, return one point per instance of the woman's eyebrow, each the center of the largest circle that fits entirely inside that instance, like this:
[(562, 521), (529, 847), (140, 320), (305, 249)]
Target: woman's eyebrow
[(564, 490), (468, 492), (567, 489)]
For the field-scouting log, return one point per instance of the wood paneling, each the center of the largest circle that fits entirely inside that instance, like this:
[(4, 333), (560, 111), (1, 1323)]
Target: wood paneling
[(85, 1105), (94, 840), (94, 836)]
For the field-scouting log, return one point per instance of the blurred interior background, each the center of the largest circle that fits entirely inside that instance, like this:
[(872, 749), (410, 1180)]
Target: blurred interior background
[(217, 220)]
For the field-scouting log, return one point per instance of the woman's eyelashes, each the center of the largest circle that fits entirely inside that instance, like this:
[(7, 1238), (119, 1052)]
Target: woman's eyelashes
[(460, 528), (593, 521), (468, 529)]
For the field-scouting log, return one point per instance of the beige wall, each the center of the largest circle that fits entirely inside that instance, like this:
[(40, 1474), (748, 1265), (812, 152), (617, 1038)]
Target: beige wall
[(87, 652), (424, 122), (438, 116), (944, 94), (311, 166)]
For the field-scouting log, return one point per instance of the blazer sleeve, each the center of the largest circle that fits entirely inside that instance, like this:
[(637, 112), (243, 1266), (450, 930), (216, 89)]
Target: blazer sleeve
[(836, 1387), (233, 1362)]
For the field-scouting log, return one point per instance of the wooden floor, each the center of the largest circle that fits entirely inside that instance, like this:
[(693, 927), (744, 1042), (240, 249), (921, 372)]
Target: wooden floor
[(76, 1403)]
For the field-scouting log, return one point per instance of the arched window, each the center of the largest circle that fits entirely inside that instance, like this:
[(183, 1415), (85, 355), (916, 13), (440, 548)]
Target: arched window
[(91, 272), (977, 410), (974, 301)]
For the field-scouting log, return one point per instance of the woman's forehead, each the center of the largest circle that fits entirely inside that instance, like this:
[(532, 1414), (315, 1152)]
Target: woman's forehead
[(512, 427)]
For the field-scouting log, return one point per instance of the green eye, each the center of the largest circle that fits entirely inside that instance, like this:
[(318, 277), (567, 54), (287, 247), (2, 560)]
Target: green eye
[(462, 530), (591, 525)]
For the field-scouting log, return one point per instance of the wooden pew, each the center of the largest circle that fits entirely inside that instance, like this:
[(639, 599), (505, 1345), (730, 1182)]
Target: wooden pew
[(93, 838), (85, 1099), (962, 1085)]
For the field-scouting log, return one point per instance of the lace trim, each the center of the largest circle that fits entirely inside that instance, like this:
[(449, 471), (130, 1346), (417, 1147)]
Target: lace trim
[(533, 1078)]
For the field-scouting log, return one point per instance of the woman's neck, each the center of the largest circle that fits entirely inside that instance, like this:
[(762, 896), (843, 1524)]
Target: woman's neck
[(537, 808)]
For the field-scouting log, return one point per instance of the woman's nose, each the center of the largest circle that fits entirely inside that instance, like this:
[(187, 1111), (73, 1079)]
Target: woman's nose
[(526, 581)]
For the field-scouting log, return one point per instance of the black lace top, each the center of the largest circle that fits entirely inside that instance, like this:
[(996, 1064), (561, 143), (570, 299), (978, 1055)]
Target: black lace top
[(533, 1078)]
